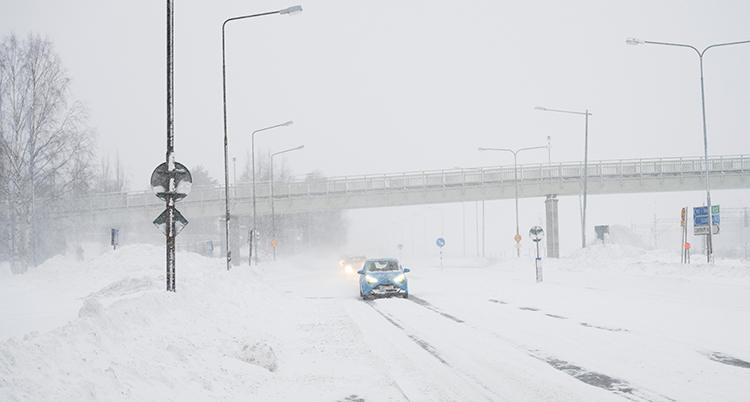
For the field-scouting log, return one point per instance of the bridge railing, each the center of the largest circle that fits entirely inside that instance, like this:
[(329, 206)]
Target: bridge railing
[(411, 181)]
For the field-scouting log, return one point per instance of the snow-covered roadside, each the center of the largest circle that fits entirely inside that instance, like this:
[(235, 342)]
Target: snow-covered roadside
[(296, 330), (221, 336)]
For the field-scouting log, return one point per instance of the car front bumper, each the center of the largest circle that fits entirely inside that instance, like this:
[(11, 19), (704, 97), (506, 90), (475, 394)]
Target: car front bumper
[(388, 289)]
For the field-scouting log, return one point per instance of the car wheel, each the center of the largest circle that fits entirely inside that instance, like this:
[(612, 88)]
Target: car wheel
[(405, 295)]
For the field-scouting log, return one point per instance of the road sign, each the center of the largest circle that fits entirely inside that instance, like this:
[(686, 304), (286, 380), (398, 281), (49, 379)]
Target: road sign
[(182, 181), (703, 230), (535, 233), (700, 220), (274, 243), (517, 238), (440, 242), (179, 222)]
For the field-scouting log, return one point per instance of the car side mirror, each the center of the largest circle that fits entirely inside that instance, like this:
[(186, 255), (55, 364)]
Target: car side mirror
[(406, 270), (361, 272)]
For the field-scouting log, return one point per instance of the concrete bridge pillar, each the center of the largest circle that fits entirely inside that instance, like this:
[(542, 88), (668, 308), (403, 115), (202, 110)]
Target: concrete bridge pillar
[(553, 240)]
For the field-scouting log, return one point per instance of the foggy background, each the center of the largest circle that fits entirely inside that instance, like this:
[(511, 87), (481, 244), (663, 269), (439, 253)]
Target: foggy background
[(389, 87)]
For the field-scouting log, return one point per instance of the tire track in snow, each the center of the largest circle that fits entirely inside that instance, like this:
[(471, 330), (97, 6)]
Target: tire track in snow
[(603, 381), (487, 392)]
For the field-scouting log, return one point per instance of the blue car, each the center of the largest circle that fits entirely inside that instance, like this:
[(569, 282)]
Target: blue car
[(383, 277)]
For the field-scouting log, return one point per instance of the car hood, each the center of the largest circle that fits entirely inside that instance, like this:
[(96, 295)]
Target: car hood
[(385, 275)]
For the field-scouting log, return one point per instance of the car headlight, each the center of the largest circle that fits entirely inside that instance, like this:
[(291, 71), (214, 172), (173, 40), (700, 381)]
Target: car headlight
[(371, 279), (400, 279)]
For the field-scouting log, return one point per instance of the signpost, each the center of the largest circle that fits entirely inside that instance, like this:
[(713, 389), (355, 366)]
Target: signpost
[(536, 234), (701, 226), (250, 239), (700, 220), (685, 248), (115, 238), (440, 243), (171, 185), (517, 238)]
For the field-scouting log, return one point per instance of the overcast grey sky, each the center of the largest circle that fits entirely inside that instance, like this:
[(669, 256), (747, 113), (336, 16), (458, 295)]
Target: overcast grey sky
[(391, 86)]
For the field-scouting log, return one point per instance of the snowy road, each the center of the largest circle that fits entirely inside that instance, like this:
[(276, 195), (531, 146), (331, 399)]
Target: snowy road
[(607, 324), (639, 332)]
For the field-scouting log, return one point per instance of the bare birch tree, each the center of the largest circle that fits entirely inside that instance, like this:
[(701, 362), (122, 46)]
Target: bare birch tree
[(46, 148)]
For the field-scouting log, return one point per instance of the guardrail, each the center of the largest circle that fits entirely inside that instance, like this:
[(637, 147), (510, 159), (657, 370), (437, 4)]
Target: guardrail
[(432, 180)]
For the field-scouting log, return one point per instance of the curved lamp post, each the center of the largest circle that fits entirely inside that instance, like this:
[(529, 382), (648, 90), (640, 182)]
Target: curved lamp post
[(515, 172), (585, 166), (634, 41), (442, 221), (273, 216), (252, 159), (288, 11)]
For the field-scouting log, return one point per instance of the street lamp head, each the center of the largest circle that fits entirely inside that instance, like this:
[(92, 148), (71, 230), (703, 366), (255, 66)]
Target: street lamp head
[(540, 108), (293, 10), (287, 124), (482, 149), (300, 147), (634, 41)]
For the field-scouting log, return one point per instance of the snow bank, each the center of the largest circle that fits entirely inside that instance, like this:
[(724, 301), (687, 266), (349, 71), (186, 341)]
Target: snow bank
[(616, 258)]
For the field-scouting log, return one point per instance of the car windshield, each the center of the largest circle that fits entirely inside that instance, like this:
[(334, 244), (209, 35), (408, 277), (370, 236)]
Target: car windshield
[(382, 266)]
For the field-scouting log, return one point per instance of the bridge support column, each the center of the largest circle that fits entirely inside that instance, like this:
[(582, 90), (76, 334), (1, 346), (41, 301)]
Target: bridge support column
[(553, 240)]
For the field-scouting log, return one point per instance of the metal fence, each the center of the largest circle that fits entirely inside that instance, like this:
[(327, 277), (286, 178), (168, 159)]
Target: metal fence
[(411, 181)]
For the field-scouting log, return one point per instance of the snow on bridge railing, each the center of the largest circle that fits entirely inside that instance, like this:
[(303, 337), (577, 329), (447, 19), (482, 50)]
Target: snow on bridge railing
[(447, 178)]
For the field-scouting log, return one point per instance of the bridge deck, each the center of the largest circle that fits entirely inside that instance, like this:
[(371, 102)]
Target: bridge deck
[(413, 188)]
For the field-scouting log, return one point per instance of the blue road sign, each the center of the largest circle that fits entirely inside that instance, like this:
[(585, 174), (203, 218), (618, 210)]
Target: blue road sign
[(440, 242), (700, 215), (700, 220)]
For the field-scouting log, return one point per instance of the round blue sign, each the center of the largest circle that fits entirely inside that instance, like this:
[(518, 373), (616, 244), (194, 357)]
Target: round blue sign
[(440, 242)]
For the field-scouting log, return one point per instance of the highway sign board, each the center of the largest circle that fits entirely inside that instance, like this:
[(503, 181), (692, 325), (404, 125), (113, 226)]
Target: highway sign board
[(700, 216), (517, 237), (440, 242)]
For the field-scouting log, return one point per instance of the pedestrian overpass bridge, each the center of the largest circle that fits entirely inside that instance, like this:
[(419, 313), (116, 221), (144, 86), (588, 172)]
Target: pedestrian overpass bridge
[(428, 187)]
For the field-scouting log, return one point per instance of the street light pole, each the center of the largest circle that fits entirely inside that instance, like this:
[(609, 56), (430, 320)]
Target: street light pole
[(288, 11), (515, 175), (442, 221), (585, 167), (634, 41), (273, 216), (424, 233), (252, 162)]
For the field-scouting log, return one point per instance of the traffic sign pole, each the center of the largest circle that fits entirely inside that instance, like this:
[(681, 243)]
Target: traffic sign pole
[(536, 234), (170, 149), (440, 243)]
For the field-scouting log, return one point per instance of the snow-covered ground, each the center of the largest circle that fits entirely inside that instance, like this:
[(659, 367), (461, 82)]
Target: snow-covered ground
[(609, 323)]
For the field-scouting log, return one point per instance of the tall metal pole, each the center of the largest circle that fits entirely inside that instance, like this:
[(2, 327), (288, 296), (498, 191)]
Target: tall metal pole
[(634, 41), (273, 215), (424, 233), (252, 162), (585, 167), (483, 239), (170, 151), (585, 180), (289, 11), (515, 175), (515, 179), (442, 221)]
